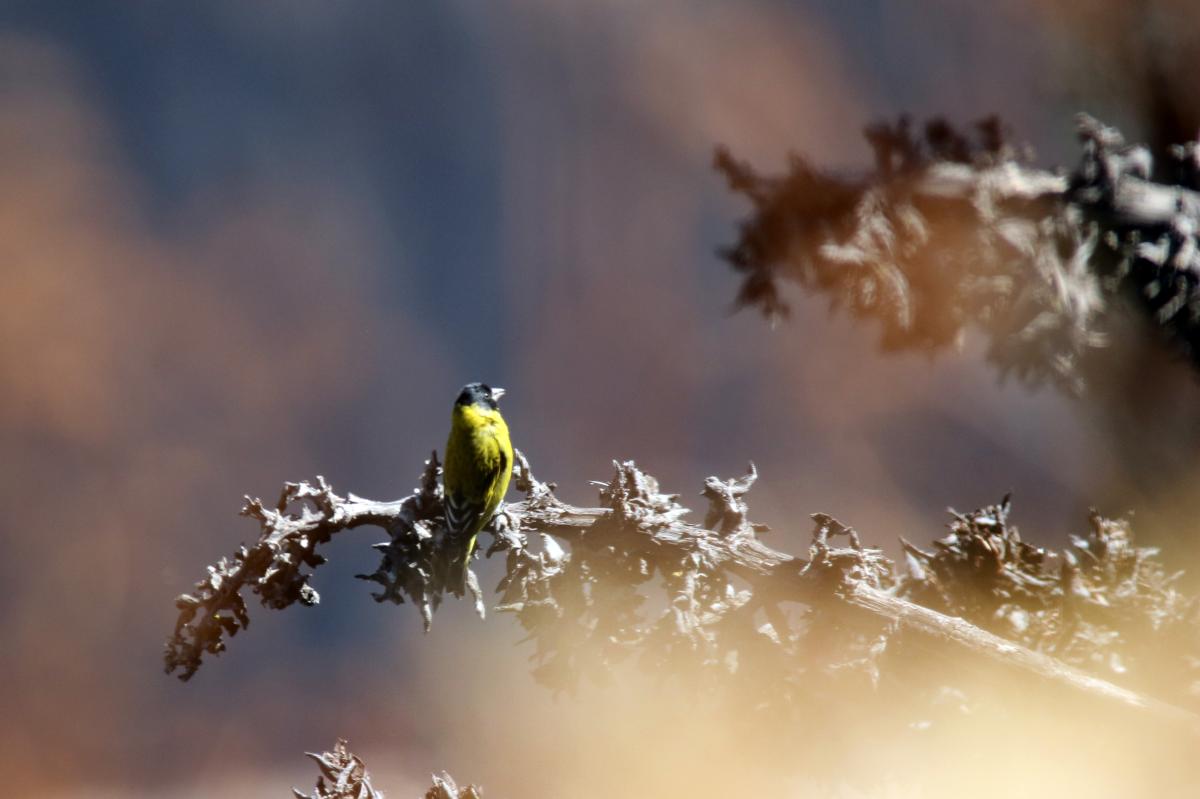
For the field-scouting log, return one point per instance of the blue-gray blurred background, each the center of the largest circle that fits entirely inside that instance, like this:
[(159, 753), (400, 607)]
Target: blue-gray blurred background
[(243, 243)]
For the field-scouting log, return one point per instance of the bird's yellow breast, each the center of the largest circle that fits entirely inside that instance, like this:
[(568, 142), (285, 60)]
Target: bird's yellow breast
[(479, 446), (475, 417)]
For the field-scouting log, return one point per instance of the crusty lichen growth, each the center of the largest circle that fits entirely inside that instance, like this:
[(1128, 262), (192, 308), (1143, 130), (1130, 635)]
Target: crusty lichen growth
[(953, 232)]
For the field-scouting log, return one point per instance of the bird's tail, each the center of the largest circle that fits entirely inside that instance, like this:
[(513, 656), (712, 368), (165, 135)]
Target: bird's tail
[(456, 570)]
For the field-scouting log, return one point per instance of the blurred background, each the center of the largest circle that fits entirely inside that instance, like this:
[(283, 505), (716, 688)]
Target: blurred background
[(244, 243)]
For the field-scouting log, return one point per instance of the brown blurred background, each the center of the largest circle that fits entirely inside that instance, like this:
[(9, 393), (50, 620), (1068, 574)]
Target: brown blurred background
[(244, 243)]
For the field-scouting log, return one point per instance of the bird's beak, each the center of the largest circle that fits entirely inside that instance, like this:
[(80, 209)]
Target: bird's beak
[(497, 393)]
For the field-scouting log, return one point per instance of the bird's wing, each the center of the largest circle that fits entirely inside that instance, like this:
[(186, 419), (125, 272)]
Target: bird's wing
[(464, 514), (498, 480)]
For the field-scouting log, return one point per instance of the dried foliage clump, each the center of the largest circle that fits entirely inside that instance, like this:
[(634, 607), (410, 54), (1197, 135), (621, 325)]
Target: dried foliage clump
[(444, 787), (633, 578), (1101, 603), (343, 776), (956, 230)]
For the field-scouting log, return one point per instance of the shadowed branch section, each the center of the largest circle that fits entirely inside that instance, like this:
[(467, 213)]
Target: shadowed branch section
[(633, 578), (344, 776), (956, 230)]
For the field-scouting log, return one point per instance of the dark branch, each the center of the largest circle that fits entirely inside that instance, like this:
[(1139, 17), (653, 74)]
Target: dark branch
[(983, 592), (954, 231)]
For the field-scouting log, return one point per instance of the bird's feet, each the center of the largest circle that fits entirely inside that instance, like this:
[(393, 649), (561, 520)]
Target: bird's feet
[(506, 530)]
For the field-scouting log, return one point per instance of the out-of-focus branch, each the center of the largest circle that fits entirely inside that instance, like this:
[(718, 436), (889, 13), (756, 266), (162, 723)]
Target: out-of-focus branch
[(445, 788), (952, 232), (583, 607), (957, 633), (343, 776)]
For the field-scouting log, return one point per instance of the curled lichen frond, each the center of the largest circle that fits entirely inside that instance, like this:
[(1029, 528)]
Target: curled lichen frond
[(342, 776), (444, 787)]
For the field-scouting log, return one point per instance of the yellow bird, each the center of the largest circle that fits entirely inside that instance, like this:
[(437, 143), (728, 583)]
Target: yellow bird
[(479, 460)]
